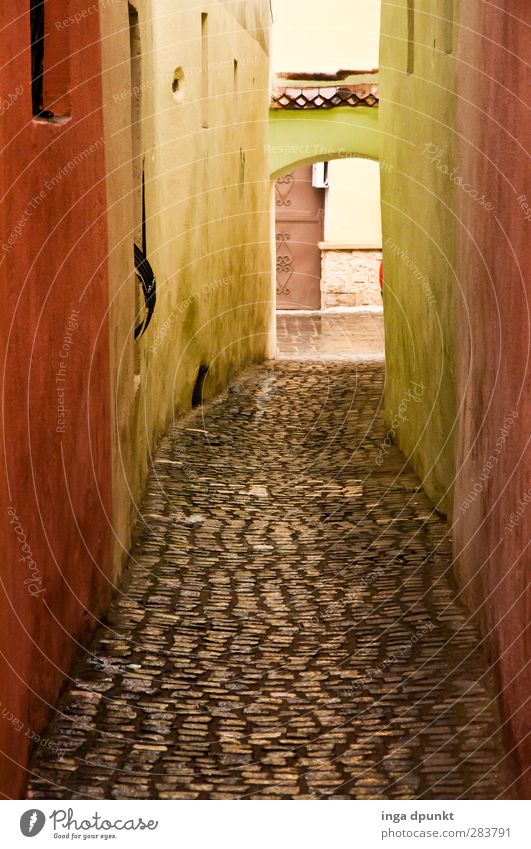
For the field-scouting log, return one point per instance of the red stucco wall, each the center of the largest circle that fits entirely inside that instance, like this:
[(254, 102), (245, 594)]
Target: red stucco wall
[(58, 483), (495, 257)]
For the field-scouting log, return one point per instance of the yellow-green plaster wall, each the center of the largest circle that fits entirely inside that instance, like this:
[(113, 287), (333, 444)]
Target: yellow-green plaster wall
[(299, 137), (418, 150)]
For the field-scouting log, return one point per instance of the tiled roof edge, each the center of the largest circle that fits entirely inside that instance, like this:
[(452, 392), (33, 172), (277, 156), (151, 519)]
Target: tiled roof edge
[(318, 97)]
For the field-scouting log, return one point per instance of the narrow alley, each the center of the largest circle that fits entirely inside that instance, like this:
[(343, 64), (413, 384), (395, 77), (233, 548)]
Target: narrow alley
[(287, 626), (265, 456)]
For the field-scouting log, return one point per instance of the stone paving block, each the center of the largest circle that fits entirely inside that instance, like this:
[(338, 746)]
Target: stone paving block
[(286, 626)]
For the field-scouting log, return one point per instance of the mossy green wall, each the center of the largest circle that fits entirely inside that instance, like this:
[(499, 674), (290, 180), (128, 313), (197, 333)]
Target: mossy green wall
[(417, 121)]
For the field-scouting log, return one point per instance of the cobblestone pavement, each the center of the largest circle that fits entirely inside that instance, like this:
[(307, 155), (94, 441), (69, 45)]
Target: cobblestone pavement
[(330, 336), (286, 627)]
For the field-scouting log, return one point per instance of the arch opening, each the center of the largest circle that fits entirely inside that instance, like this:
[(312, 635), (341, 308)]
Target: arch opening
[(299, 138), (328, 236)]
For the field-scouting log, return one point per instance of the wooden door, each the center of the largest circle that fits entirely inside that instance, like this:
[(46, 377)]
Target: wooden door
[(299, 229)]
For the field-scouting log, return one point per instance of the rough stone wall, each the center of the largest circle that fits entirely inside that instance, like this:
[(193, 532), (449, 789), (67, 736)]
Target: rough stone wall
[(350, 278)]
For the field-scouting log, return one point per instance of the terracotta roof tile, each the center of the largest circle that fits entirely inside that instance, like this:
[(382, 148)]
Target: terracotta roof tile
[(325, 97)]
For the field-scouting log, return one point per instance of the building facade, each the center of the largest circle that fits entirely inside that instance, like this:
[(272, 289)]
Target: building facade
[(114, 135), (456, 247), (328, 219), (352, 245), (313, 120)]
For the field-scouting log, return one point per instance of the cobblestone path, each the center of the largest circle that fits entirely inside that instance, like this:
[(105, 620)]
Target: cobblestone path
[(287, 626), (331, 336)]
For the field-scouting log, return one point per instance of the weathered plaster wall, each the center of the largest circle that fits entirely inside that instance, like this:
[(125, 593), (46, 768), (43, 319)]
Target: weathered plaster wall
[(128, 462), (455, 195), (207, 216), (73, 495), (207, 201), (56, 481), (492, 505), (417, 116)]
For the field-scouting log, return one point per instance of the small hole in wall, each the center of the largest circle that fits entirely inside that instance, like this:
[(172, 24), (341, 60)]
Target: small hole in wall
[(177, 85), (197, 394)]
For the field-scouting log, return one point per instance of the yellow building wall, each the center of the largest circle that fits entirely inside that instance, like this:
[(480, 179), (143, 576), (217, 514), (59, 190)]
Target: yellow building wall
[(418, 114), (351, 252), (204, 94), (353, 214), (310, 36)]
